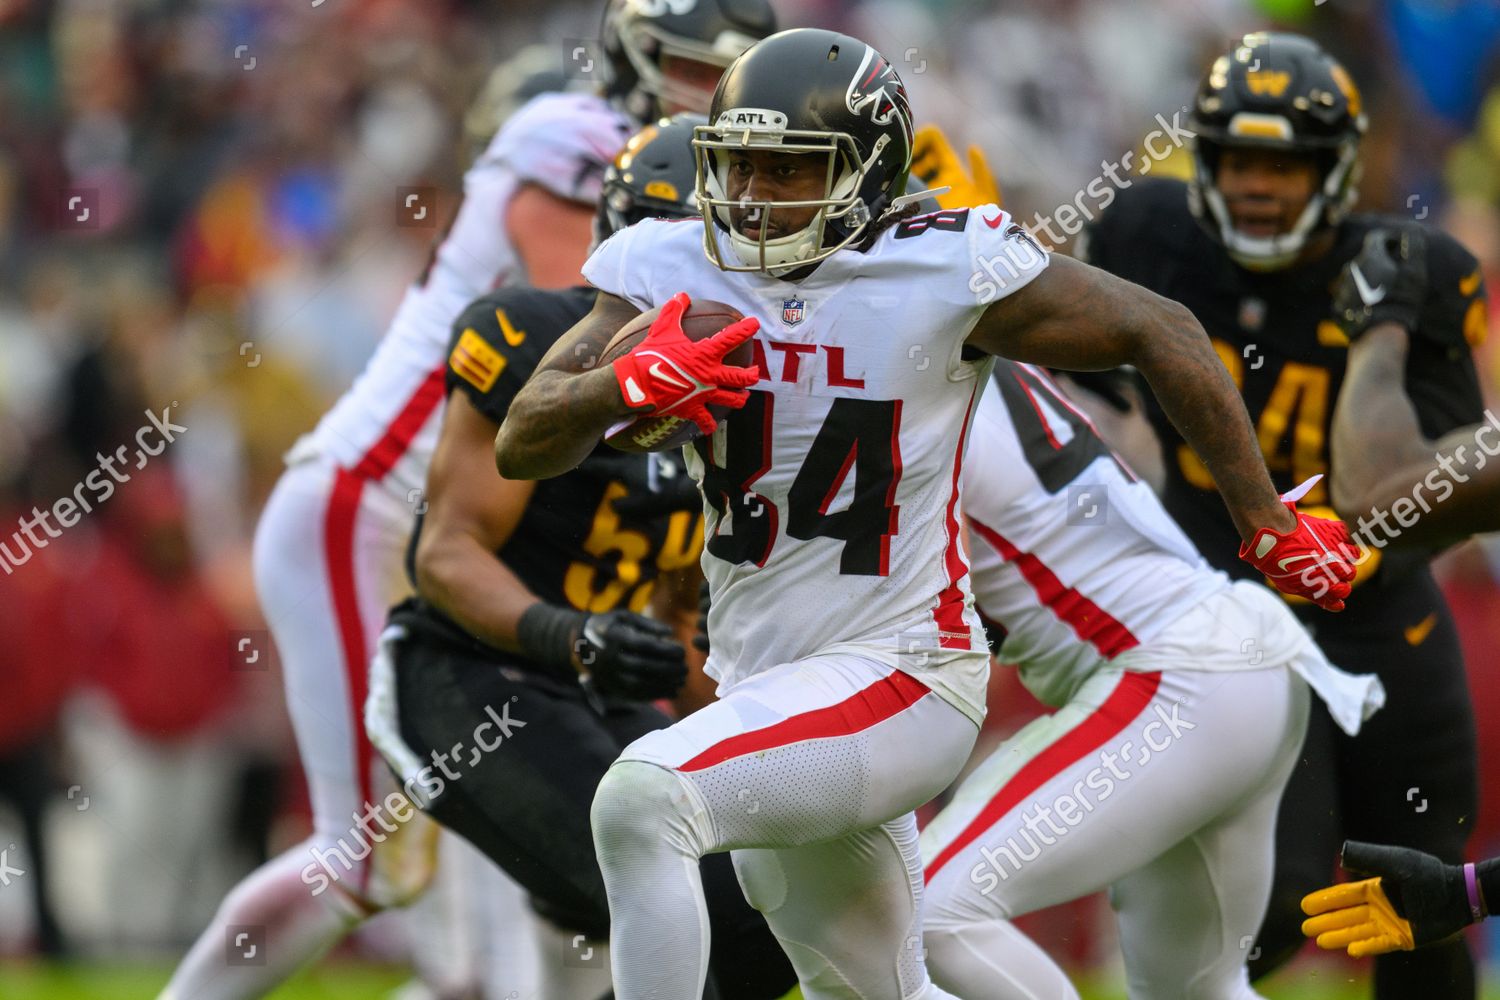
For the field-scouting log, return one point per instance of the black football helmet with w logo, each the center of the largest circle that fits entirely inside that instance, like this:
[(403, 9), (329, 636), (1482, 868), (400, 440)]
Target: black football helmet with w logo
[(816, 92), (1276, 90)]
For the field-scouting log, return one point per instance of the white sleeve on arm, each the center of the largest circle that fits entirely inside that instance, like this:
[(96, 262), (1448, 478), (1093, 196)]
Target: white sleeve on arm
[(620, 266), (561, 142), (1001, 257)]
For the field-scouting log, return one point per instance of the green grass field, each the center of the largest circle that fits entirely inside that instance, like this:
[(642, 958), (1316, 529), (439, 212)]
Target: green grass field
[(342, 981)]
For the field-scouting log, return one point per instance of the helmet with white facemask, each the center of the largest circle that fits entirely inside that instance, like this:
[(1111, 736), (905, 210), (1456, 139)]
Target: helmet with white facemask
[(817, 93)]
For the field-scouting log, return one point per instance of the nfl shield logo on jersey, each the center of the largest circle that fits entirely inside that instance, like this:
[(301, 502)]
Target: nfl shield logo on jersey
[(793, 311)]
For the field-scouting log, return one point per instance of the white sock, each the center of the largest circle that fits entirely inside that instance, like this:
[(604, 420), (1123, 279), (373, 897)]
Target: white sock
[(658, 933), (267, 928)]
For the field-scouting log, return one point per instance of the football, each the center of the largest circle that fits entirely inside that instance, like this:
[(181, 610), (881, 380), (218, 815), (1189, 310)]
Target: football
[(703, 319)]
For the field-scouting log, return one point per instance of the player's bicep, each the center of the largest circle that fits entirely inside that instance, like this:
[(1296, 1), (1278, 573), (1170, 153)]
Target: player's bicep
[(551, 235), (1071, 315), (580, 349), (466, 497)]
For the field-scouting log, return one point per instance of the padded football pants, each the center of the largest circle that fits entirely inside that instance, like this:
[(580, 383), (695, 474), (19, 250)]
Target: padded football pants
[(808, 773)]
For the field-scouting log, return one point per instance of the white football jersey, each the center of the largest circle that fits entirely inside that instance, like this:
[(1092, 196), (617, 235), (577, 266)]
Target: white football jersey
[(832, 498), (1073, 555), (386, 425)]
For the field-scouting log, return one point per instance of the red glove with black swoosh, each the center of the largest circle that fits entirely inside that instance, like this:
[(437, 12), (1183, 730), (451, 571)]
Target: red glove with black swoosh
[(673, 376), (1315, 560)]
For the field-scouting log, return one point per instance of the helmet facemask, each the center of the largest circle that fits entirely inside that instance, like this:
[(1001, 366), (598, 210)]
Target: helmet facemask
[(1279, 92), (1327, 206), (646, 45), (842, 216)]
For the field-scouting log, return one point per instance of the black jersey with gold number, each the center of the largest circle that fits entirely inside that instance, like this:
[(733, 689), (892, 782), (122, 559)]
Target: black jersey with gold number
[(1275, 335), (598, 537)]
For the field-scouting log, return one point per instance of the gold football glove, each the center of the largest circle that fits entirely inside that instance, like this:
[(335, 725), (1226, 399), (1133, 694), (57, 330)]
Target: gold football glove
[(935, 164), (1414, 900), (1356, 916)]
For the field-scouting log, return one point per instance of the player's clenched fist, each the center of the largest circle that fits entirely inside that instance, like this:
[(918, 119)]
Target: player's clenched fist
[(1415, 900), (1386, 283), (631, 656), (1315, 560), (672, 375), (618, 652)]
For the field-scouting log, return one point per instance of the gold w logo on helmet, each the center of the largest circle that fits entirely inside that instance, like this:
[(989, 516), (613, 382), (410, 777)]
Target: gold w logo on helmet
[(1268, 82)]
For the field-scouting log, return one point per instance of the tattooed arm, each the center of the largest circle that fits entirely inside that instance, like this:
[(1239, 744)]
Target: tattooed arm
[(569, 402), (1078, 317)]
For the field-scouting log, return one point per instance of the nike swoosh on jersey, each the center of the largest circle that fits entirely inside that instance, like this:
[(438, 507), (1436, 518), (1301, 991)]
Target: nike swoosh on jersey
[(1418, 633), (513, 337), (1468, 286), (1368, 295), (995, 222), (657, 373)]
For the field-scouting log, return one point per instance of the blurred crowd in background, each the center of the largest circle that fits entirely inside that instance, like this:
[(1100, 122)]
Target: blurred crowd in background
[(204, 216)]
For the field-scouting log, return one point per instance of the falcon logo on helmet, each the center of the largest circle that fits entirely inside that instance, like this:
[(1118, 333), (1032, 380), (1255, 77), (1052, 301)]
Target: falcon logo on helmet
[(876, 86)]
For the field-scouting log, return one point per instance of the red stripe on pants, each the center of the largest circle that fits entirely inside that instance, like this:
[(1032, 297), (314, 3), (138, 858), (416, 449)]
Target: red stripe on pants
[(338, 553), (1128, 700), (888, 696)]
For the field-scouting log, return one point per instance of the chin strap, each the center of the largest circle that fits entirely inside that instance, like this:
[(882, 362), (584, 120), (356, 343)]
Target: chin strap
[(902, 201)]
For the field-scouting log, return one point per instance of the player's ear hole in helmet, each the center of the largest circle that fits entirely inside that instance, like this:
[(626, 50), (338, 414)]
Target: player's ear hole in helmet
[(666, 55), (1276, 91), (653, 177), (812, 93)]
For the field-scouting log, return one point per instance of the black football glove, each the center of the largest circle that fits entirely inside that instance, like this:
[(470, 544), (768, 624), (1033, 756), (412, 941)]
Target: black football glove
[(631, 656), (1413, 900), (1386, 282)]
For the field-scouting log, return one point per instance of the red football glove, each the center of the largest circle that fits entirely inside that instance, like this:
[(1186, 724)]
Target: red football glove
[(1315, 560), (677, 377)]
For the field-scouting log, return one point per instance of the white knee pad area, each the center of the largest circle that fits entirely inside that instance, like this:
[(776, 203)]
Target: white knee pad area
[(640, 806)]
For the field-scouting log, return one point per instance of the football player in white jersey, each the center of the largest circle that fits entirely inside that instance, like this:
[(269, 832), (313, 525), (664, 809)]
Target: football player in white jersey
[(1178, 721), (851, 663), (330, 544)]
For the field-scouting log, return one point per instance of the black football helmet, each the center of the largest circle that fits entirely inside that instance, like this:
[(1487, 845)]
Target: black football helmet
[(1280, 91), (639, 34), (817, 92), (651, 178)]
